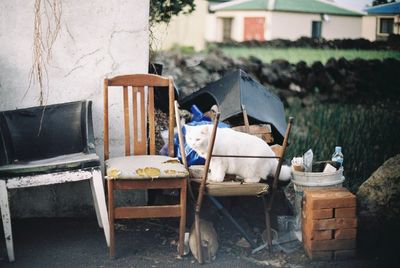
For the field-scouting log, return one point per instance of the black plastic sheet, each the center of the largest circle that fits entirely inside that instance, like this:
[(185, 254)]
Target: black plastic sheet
[(237, 89)]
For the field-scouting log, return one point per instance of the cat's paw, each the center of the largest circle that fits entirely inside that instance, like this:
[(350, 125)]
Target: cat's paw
[(216, 179), (254, 180), (286, 173)]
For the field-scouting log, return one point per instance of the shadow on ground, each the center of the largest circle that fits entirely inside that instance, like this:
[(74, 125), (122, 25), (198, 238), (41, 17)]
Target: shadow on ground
[(71, 242)]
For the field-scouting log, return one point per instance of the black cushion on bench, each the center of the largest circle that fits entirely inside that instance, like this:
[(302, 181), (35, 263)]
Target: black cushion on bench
[(46, 139)]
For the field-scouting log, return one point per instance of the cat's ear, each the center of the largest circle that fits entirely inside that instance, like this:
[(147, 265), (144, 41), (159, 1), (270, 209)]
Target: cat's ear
[(204, 130)]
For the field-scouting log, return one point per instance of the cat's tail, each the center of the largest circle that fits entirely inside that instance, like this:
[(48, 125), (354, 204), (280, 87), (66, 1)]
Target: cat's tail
[(286, 173)]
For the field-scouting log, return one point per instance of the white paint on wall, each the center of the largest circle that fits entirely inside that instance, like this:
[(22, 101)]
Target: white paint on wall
[(97, 39), (339, 27), (290, 25), (369, 28), (295, 25), (184, 30), (211, 30)]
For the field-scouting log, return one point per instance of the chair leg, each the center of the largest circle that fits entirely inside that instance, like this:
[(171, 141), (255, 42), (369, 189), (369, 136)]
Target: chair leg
[(99, 200), (6, 217), (111, 216), (95, 204), (182, 222), (267, 223), (198, 237)]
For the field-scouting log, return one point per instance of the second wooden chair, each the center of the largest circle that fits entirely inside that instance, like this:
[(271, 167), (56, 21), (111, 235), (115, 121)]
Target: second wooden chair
[(140, 168)]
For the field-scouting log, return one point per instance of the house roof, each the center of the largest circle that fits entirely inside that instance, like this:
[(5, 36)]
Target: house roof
[(301, 6), (391, 8)]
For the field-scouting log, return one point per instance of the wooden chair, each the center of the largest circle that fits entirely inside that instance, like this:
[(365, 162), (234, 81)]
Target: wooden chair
[(140, 168), (231, 188), (47, 145)]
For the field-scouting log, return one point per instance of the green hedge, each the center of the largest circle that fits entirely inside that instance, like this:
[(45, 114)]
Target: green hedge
[(369, 135)]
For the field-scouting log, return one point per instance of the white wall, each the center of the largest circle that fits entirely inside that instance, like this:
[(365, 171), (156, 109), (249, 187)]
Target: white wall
[(369, 28), (291, 26), (294, 25), (97, 39), (342, 27), (212, 28), (183, 30)]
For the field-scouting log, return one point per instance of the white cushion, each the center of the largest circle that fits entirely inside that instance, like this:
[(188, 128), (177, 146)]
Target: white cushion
[(145, 167)]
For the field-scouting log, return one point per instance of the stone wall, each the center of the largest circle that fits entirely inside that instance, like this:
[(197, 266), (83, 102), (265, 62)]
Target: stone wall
[(354, 81), (393, 42)]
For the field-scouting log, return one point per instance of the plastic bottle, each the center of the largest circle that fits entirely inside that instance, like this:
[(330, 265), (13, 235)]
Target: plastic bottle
[(337, 156)]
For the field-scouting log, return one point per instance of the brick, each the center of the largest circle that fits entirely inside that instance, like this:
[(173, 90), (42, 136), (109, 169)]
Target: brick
[(330, 224), (333, 203), (345, 233), (329, 198), (309, 233), (321, 235), (325, 213), (345, 212), (325, 224), (334, 244), (319, 255), (344, 223), (316, 214), (344, 254)]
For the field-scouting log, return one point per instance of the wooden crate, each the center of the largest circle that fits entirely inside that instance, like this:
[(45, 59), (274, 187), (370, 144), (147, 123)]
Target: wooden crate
[(329, 223)]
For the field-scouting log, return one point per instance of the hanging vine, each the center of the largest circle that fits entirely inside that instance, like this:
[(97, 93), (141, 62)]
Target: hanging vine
[(47, 25)]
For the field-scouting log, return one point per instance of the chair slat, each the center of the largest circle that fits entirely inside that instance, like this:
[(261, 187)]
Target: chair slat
[(171, 95), (135, 119), (166, 183), (143, 126), (152, 134), (139, 144), (142, 212), (126, 123), (138, 80), (105, 138)]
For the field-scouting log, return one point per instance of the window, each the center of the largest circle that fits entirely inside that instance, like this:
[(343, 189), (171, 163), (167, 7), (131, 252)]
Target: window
[(226, 29), (386, 25), (316, 28)]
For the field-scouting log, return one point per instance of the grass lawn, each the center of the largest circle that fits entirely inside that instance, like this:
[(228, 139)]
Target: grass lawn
[(309, 55)]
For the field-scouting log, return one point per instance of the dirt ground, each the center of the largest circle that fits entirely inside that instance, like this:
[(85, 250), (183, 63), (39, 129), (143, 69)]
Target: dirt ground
[(152, 243), (72, 242)]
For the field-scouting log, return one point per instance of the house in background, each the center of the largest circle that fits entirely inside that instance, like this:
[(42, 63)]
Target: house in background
[(183, 30), (240, 20), (243, 20), (381, 21)]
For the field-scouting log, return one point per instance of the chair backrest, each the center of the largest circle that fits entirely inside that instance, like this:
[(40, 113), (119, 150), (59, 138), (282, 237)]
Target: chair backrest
[(142, 87), (46, 131)]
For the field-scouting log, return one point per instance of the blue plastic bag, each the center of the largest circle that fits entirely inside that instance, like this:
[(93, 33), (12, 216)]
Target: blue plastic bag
[(198, 116)]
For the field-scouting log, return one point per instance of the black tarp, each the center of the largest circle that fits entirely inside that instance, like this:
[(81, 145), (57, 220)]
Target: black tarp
[(237, 89)]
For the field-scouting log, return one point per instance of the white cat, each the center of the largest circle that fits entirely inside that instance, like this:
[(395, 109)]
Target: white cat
[(231, 142)]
